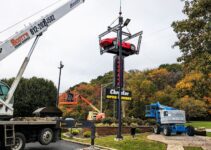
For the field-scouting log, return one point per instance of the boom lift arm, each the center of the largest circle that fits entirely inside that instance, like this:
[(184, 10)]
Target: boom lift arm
[(34, 30), (72, 98)]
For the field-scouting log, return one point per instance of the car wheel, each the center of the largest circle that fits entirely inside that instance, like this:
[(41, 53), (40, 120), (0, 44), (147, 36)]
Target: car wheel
[(45, 136), (190, 131), (20, 142), (167, 131)]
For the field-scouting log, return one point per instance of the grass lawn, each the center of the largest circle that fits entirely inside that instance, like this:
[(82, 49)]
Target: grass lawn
[(209, 134), (193, 148), (196, 124), (139, 143)]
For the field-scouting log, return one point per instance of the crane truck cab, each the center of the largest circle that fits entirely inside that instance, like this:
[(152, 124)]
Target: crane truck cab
[(4, 89), (169, 120), (4, 111)]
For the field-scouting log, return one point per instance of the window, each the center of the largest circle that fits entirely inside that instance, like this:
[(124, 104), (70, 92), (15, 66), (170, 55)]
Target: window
[(70, 97), (5, 90), (165, 113)]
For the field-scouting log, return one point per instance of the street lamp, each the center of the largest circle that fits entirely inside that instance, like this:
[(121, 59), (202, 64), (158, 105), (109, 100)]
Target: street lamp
[(101, 96), (60, 71)]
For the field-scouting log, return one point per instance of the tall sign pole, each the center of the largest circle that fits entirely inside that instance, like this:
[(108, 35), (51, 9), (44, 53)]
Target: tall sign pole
[(120, 76), (121, 49)]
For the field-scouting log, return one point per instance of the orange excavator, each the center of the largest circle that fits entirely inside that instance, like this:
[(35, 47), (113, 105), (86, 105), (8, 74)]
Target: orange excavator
[(71, 98)]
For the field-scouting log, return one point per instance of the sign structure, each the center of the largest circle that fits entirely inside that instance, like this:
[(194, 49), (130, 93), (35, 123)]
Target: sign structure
[(118, 71), (112, 94)]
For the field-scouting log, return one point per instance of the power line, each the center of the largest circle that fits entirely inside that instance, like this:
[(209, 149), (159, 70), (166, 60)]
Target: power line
[(8, 28)]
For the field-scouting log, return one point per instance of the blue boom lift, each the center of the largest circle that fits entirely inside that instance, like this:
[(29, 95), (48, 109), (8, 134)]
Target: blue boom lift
[(168, 120)]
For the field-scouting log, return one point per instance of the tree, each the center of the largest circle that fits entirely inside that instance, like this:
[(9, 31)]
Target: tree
[(172, 67), (195, 85), (194, 36), (159, 76), (193, 108), (32, 94)]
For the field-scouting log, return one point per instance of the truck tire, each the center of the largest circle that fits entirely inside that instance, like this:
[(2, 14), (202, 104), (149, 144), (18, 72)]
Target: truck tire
[(190, 131), (156, 129), (20, 142), (45, 136), (167, 131), (1, 144)]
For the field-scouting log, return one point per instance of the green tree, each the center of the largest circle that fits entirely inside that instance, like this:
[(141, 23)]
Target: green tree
[(193, 108), (194, 36), (32, 94)]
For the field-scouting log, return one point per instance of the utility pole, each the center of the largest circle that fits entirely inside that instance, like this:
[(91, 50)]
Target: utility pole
[(102, 86), (60, 71)]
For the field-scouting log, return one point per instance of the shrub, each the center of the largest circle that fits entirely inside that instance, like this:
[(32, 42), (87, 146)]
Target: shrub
[(127, 120), (134, 125), (151, 121), (138, 121), (138, 130), (100, 125), (75, 132), (107, 121), (124, 124), (87, 134), (113, 125)]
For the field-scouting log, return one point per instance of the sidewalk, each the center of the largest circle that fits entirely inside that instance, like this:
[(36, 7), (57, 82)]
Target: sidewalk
[(177, 142)]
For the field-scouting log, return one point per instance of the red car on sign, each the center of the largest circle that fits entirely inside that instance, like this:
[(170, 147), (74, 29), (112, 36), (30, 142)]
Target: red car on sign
[(109, 44)]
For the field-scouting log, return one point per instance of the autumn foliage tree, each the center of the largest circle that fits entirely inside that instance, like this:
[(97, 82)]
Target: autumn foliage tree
[(194, 36)]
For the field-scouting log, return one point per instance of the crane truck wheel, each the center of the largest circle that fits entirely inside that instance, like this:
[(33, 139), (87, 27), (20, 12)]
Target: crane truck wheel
[(20, 141), (190, 131), (157, 129), (167, 131), (45, 136)]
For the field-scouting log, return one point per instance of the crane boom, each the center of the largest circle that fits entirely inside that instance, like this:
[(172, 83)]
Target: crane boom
[(36, 28)]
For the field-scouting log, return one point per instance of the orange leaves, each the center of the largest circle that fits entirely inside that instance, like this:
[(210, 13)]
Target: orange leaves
[(189, 80)]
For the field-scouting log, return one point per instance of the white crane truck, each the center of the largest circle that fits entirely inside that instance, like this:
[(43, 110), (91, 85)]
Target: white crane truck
[(15, 132)]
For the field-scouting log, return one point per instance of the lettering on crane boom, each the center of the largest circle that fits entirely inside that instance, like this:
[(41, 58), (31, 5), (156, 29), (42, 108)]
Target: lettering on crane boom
[(112, 94), (44, 23), (74, 3), (20, 40)]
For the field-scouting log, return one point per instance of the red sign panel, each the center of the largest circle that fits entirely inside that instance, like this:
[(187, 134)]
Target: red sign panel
[(118, 71)]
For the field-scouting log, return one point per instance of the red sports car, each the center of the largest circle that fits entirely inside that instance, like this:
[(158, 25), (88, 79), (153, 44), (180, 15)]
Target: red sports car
[(108, 44)]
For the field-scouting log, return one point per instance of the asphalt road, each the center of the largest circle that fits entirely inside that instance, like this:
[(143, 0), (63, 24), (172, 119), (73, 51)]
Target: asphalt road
[(60, 145)]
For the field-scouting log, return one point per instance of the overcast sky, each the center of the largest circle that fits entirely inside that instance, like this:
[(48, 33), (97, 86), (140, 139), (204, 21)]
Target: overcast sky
[(74, 38)]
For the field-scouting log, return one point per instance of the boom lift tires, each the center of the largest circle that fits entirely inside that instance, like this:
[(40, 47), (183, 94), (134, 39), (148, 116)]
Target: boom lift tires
[(190, 131), (45, 136), (20, 141), (167, 131), (156, 129)]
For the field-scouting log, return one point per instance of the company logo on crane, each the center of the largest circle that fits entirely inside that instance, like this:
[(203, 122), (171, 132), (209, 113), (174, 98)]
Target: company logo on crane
[(74, 3), (20, 40)]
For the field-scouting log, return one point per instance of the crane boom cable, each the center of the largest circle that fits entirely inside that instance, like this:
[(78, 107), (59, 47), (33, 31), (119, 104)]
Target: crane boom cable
[(12, 26)]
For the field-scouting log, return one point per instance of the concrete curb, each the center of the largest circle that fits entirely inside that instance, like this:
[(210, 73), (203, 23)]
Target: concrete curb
[(85, 144)]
